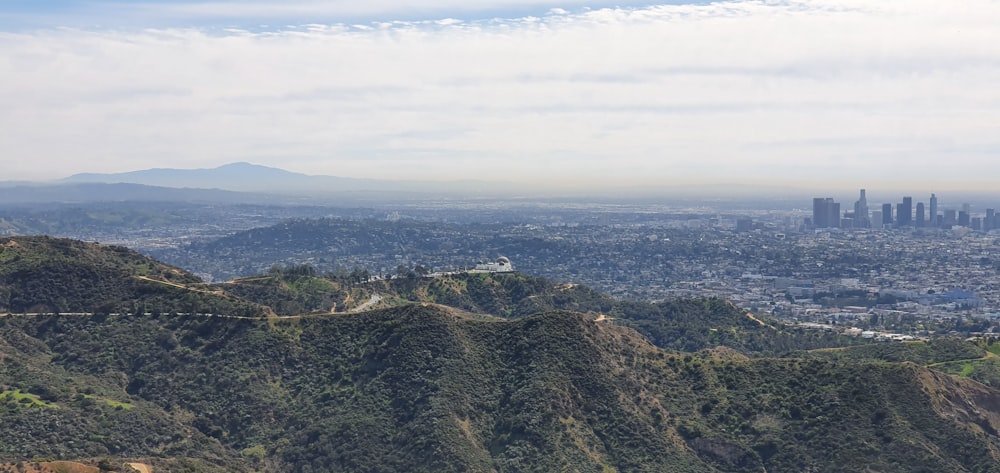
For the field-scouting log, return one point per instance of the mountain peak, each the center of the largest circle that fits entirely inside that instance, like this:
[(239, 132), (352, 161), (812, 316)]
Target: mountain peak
[(238, 176), (242, 176), (243, 165)]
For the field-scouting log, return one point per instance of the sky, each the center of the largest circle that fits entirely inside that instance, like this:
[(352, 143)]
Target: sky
[(852, 93)]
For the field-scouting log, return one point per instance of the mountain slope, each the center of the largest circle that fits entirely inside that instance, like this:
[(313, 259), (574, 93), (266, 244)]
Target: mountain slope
[(685, 325), (428, 387), (418, 388), (43, 274), (85, 192), (233, 177), (246, 177)]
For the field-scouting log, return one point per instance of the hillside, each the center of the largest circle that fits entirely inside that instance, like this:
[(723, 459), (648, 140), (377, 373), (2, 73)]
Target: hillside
[(466, 372), (52, 275), (423, 388), (46, 275), (977, 360), (685, 325)]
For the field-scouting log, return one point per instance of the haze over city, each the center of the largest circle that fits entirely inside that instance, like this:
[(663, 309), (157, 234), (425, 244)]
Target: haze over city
[(829, 94)]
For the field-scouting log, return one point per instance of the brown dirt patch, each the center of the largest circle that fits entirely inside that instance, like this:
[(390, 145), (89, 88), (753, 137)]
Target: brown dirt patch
[(141, 467), (50, 467)]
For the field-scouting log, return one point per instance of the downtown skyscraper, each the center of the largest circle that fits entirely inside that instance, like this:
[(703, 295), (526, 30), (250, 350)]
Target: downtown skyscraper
[(861, 218), (826, 213)]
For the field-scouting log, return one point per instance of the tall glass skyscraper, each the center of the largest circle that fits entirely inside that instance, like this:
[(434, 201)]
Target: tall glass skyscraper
[(861, 212), (904, 212), (932, 217), (826, 213)]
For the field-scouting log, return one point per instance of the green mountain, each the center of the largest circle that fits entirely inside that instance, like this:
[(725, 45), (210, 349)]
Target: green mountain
[(423, 388), (978, 361), (45, 275), (686, 325), (455, 374), (51, 275)]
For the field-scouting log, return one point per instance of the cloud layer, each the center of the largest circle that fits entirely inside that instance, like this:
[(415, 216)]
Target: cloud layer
[(827, 90)]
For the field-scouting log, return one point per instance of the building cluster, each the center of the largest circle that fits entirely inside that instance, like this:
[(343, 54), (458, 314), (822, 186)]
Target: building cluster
[(827, 214), (501, 265), (853, 279)]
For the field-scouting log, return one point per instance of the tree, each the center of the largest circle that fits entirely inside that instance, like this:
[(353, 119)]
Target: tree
[(107, 465)]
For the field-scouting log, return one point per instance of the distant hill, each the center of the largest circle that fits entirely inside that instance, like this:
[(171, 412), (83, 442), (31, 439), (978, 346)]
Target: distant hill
[(246, 177), (243, 177), (44, 275), (684, 325), (53, 275), (82, 192), (979, 361)]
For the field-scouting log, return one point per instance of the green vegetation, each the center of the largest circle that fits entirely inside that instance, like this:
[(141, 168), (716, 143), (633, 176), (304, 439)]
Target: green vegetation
[(111, 402), (419, 388), (984, 368), (433, 382), (931, 353), (974, 360), (52, 275), (24, 398), (684, 325), (47, 275), (291, 291)]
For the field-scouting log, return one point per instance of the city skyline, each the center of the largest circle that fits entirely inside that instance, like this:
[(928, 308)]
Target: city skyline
[(826, 213), (577, 94)]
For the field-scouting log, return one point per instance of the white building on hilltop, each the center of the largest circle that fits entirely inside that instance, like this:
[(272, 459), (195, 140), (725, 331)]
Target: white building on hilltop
[(501, 265)]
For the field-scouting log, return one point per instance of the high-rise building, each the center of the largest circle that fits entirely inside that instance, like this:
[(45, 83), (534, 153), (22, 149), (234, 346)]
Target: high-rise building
[(861, 212), (877, 217), (921, 222), (990, 222), (950, 218), (904, 212), (826, 213), (819, 212), (963, 218), (886, 215), (933, 216)]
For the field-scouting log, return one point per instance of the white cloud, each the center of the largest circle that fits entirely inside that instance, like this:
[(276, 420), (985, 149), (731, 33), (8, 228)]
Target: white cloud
[(198, 11), (750, 90)]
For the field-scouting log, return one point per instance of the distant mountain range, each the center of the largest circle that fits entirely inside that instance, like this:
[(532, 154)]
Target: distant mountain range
[(24, 193), (246, 177), (255, 183), (232, 183)]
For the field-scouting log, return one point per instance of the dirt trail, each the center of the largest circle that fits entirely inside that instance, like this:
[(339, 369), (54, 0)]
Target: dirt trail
[(179, 286), (987, 356), (374, 300), (141, 467), (755, 319)]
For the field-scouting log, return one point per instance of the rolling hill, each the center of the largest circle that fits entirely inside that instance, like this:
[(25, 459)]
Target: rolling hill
[(478, 372), (685, 325), (52, 275), (424, 388)]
